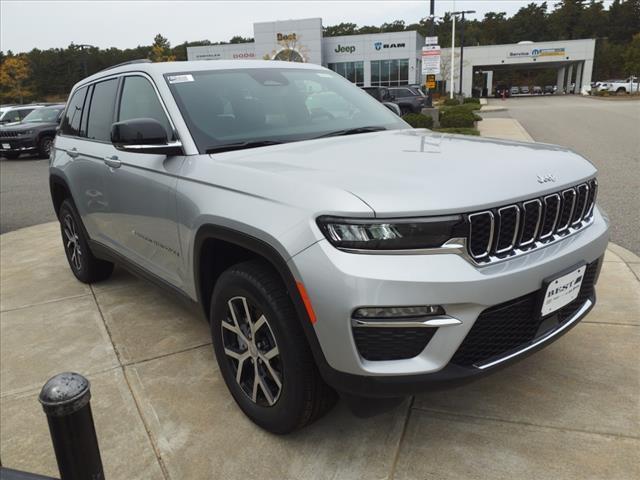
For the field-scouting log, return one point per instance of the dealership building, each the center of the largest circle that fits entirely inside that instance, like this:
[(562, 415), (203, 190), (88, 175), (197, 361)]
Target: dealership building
[(391, 59)]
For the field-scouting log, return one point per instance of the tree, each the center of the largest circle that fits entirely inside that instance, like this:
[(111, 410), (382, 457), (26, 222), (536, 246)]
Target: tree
[(341, 29), (530, 23), (161, 50), (14, 77), (631, 57), (240, 39), (624, 20)]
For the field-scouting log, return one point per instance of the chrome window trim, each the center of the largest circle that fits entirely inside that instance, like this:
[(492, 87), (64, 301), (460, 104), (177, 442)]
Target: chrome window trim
[(535, 231), (515, 232), (491, 232), (576, 317), (555, 220)]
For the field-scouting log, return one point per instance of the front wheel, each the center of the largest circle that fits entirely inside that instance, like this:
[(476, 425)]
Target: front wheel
[(45, 145), (262, 352)]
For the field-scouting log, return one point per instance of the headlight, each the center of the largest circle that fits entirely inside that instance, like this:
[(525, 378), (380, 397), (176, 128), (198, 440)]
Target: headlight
[(26, 132), (391, 234)]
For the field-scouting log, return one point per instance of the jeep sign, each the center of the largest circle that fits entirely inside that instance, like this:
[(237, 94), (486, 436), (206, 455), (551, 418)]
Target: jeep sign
[(345, 49)]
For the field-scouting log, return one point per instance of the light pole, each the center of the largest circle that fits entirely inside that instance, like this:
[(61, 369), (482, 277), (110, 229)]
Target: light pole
[(453, 45), (461, 46), (82, 47), (431, 32)]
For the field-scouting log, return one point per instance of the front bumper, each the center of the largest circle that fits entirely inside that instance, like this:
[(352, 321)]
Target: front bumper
[(338, 283), (17, 144)]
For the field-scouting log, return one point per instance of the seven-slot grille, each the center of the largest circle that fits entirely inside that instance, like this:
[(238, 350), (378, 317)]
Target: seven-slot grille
[(9, 134), (501, 232)]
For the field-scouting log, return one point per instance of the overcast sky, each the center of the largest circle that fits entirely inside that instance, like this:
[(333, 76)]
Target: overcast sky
[(47, 24)]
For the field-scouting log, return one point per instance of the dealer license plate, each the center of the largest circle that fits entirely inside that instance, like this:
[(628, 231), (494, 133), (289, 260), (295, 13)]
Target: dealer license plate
[(6, 146), (562, 291)]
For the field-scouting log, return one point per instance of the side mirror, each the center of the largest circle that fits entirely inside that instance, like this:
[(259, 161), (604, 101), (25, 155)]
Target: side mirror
[(143, 135)]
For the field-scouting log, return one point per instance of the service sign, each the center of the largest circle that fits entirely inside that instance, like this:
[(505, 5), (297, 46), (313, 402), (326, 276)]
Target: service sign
[(431, 60), (430, 40)]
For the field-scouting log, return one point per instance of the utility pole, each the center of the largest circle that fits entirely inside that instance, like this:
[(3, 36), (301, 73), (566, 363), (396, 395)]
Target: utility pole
[(453, 46), (461, 46)]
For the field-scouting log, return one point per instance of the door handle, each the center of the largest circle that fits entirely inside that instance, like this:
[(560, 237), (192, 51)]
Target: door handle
[(73, 153), (112, 162)]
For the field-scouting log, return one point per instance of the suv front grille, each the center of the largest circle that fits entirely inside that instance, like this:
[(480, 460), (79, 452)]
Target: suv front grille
[(9, 134), (505, 231), (507, 326)]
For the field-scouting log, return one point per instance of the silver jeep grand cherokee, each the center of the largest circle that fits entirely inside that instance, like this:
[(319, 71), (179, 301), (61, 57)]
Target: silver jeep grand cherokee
[(330, 246)]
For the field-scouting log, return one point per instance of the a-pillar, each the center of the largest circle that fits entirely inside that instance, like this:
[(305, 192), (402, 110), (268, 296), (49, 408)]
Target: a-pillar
[(560, 81), (569, 79)]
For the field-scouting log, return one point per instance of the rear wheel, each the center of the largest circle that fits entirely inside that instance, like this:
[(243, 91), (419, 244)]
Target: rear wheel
[(621, 91), (263, 355), (84, 265)]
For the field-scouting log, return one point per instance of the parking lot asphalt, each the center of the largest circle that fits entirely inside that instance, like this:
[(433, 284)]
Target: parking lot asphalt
[(607, 132), (24, 193), (162, 411)]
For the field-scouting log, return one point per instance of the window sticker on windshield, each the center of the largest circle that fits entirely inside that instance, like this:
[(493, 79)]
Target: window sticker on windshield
[(325, 75), (180, 78)]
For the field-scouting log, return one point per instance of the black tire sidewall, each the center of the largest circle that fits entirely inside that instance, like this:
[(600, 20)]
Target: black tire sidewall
[(285, 415), (41, 146), (67, 208)]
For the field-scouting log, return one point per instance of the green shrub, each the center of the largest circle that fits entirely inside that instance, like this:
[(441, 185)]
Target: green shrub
[(418, 120), (450, 102), (472, 100), (457, 119), (461, 131)]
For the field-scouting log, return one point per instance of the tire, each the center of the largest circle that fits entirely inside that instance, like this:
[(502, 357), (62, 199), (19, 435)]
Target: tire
[(621, 91), (291, 392), (85, 267), (45, 144), (11, 155)]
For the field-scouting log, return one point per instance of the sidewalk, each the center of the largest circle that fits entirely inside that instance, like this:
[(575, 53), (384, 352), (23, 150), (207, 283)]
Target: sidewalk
[(163, 412)]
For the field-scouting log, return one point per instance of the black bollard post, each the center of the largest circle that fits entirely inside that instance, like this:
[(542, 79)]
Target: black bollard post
[(65, 400)]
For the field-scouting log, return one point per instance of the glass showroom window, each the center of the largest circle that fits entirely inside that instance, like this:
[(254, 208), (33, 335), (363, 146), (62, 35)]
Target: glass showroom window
[(352, 71), (389, 73)]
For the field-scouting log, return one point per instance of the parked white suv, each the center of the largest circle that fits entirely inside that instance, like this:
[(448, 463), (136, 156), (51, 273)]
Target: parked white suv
[(330, 246)]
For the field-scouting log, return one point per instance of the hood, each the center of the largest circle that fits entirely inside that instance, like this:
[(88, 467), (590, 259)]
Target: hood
[(20, 126), (418, 172)]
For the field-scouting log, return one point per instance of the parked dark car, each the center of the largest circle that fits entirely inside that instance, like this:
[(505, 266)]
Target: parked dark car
[(34, 134), (549, 89), (409, 99), (500, 89), (384, 96)]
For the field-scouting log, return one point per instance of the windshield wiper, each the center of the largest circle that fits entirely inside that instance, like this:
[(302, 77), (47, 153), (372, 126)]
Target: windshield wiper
[(352, 131), (227, 147)]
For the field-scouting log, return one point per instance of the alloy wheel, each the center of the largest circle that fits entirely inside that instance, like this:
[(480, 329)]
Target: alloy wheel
[(71, 242), (47, 145), (252, 351)]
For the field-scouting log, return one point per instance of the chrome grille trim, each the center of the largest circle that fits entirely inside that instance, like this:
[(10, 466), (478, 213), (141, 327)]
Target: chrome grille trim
[(556, 216), (573, 205), (529, 241), (580, 216), (515, 230), (491, 232), (566, 203)]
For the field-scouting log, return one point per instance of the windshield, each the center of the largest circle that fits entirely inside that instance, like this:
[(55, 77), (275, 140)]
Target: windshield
[(273, 105), (42, 115)]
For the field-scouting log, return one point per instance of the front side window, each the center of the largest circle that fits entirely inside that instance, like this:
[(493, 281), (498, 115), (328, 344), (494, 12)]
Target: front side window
[(272, 104), (71, 122), (101, 110), (139, 100)]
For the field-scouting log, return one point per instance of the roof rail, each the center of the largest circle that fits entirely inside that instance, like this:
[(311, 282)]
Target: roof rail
[(130, 62)]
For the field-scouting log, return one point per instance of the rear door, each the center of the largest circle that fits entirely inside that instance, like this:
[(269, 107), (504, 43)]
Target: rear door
[(141, 188)]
